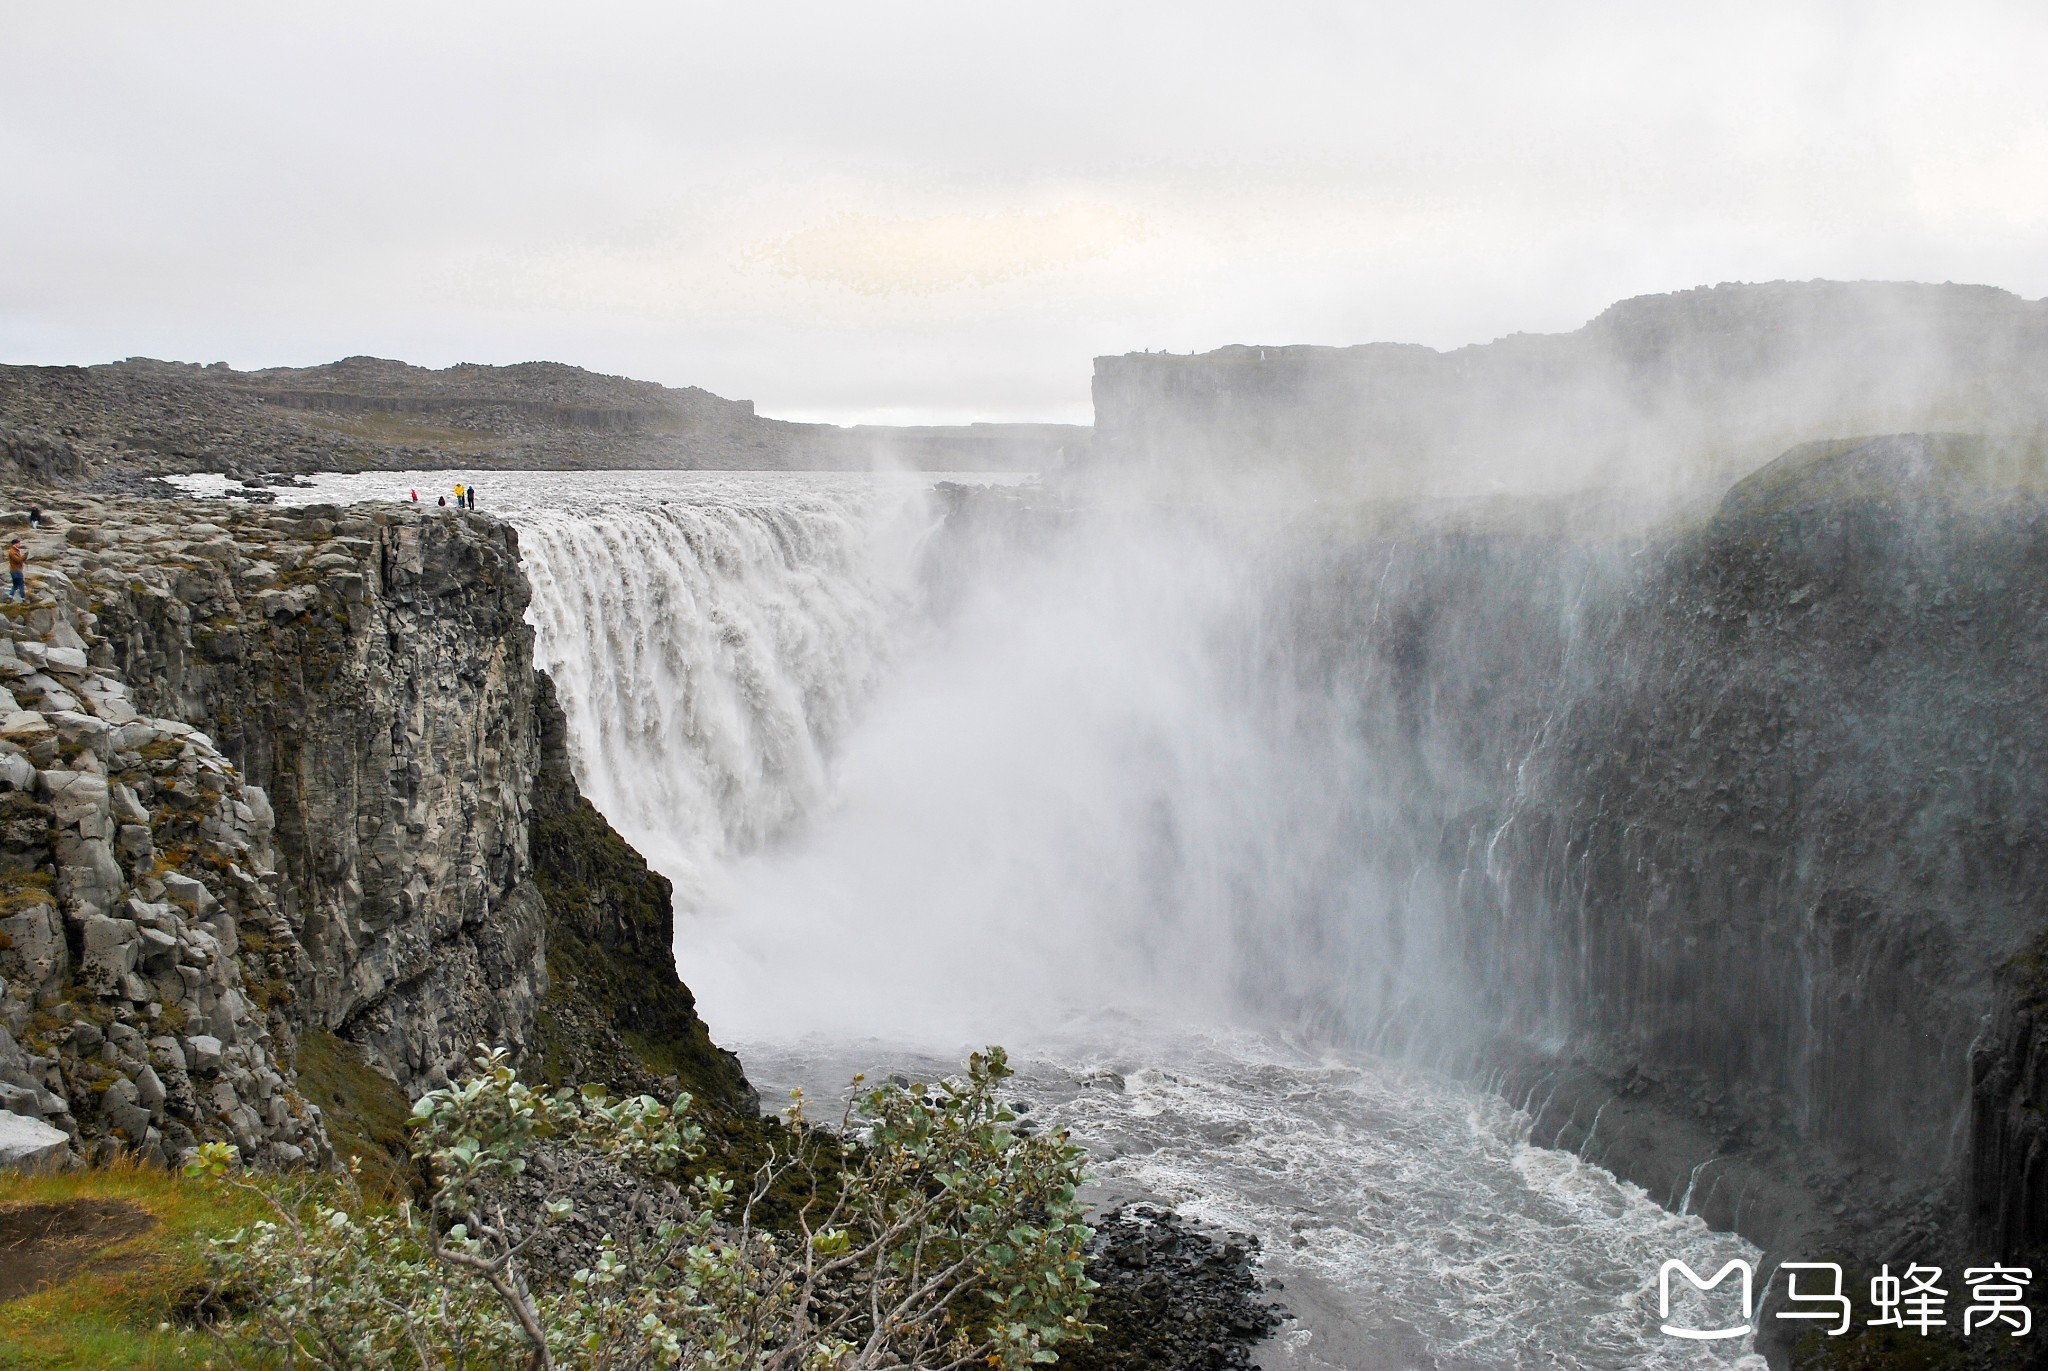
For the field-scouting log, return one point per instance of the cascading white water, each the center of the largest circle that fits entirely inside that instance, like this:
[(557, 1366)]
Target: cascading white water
[(710, 651), (1099, 810)]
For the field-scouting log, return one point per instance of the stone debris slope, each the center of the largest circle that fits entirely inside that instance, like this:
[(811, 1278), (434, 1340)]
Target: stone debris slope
[(144, 957)]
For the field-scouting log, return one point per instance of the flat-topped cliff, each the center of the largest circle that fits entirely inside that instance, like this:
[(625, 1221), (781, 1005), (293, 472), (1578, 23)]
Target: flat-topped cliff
[(1661, 390), (367, 413)]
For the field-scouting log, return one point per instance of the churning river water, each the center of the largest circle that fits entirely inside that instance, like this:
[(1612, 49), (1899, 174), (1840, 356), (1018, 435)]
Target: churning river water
[(1057, 795)]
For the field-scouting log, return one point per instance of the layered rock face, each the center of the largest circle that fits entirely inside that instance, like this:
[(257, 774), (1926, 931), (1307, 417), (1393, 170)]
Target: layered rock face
[(146, 964), (290, 778), (1780, 857), (1738, 831), (1717, 841), (375, 674), (29, 454)]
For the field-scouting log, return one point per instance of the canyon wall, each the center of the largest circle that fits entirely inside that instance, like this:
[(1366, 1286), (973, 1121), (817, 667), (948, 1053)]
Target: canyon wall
[(1663, 390), (428, 877), (1737, 833)]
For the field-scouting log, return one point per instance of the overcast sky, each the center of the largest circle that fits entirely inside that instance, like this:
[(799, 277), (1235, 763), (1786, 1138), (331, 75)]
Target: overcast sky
[(934, 212)]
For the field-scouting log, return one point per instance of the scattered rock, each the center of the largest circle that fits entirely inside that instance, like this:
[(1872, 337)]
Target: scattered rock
[(1173, 1297), (31, 1145)]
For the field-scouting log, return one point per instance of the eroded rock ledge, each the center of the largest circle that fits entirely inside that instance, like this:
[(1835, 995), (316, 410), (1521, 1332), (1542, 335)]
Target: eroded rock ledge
[(273, 780)]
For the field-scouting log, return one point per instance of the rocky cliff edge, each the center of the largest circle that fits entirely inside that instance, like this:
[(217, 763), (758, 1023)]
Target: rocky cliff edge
[(286, 825)]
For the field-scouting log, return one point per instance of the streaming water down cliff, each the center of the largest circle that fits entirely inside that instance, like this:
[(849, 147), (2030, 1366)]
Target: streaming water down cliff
[(1102, 793)]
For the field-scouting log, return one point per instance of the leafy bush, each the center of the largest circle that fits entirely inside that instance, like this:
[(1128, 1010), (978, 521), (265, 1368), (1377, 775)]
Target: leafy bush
[(929, 1234)]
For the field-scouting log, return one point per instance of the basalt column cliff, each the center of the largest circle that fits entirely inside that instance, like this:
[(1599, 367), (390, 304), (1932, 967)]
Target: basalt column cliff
[(389, 852)]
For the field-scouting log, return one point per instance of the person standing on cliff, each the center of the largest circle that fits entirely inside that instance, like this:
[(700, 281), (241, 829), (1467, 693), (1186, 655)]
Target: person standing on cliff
[(469, 494), (17, 571)]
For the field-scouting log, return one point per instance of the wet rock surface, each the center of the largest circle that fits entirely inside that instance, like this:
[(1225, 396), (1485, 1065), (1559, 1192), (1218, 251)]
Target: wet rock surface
[(1174, 1295)]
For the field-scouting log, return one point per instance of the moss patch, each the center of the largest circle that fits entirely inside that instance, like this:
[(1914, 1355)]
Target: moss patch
[(365, 1111), (616, 1014)]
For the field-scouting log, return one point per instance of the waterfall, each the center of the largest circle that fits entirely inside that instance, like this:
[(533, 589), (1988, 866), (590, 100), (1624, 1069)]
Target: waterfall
[(970, 785), (1103, 772), (1143, 798), (710, 651)]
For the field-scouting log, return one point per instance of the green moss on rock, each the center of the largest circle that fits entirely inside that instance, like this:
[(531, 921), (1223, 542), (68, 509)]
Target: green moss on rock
[(616, 1014), (365, 1111)]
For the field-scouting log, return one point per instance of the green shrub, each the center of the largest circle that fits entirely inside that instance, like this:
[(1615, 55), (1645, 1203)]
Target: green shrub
[(934, 1236)]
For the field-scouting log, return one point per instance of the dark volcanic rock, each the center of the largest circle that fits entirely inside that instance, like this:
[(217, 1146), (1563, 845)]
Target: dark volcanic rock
[(377, 834), (28, 454), (1738, 832), (615, 1013), (1174, 1297)]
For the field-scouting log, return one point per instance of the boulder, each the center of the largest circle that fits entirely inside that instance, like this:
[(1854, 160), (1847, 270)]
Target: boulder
[(30, 1144), (112, 947), (88, 876), (75, 727), (184, 890), (68, 660), (79, 800), (26, 727), (126, 808), (136, 735), (37, 933), (159, 949), (131, 1119), (203, 1053), (113, 710), (167, 1053)]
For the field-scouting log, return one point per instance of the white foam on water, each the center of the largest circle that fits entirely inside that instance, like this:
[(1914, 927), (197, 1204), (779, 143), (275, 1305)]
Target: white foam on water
[(1083, 794), (1414, 1202)]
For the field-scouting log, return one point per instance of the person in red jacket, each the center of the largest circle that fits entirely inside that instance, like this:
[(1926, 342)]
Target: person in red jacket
[(17, 570)]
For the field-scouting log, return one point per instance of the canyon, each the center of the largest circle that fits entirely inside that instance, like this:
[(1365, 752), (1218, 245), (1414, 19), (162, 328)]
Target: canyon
[(1640, 725)]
